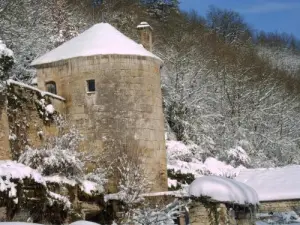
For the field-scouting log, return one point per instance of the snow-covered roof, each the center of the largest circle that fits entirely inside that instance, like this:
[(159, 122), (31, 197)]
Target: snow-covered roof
[(224, 190), (273, 184), (100, 39)]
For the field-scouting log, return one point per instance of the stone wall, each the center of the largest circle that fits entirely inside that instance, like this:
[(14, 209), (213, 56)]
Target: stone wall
[(28, 123), (279, 206), (125, 112), (217, 214), (4, 130)]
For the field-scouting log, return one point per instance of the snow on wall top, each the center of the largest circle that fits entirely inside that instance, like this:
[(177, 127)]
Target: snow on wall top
[(43, 93), (274, 183), (224, 190), (100, 39)]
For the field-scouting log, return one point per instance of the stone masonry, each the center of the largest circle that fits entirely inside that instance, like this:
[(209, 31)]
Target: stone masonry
[(125, 112)]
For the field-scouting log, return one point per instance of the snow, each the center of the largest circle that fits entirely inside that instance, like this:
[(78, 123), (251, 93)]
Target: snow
[(143, 25), (12, 170), (65, 200), (12, 137), (224, 190), (4, 51), (34, 81), (90, 187), (172, 182), (181, 159), (43, 93), (273, 184), (100, 39), (50, 109), (82, 222), (60, 180)]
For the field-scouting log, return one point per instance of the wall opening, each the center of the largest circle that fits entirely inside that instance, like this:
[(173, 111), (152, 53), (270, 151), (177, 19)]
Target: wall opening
[(91, 86), (51, 87)]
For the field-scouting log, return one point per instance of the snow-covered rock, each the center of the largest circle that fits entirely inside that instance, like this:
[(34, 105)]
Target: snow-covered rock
[(223, 189)]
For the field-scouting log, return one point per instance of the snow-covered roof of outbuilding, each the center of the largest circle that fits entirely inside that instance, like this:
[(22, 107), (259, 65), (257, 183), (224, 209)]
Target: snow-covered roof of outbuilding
[(273, 184), (100, 39), (223, 189)]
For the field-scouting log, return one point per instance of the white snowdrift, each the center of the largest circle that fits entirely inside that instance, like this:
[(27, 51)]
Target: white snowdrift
[(274, 183), (100, 39), (223, 189)]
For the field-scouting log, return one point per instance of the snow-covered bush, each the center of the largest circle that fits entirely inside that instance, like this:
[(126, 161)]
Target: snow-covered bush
[(238, 156), (185, 164), (62, 162), (59, 156)]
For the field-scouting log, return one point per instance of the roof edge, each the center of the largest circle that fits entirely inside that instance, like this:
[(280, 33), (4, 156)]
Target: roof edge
[(62, 61)]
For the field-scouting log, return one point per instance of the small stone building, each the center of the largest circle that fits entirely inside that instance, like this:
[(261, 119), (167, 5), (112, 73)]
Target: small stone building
[(108, 86), (277, 188)]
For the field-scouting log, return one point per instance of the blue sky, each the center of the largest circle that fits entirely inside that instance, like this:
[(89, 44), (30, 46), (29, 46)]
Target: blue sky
[(267, 15)]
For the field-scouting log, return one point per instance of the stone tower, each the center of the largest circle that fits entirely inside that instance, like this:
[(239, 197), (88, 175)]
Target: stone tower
[(112, 89)]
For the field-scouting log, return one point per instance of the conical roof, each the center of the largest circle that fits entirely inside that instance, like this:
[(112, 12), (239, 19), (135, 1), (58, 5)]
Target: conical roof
[(100, 39)]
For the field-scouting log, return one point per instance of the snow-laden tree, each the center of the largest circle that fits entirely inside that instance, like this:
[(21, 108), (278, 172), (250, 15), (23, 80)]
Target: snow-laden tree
[(60, 157), (31, 28), (133, 180), (159, 215), (6, 61)]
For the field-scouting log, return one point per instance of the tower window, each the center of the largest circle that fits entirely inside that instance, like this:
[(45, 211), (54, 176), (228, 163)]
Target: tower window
[(91, 87), (51, 87)]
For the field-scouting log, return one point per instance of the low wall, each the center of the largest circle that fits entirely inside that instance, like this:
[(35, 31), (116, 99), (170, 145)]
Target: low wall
[(29, 123), (279, 206), (4, 130)]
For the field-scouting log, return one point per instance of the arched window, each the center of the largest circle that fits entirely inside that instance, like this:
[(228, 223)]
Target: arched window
[(51, 87)]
